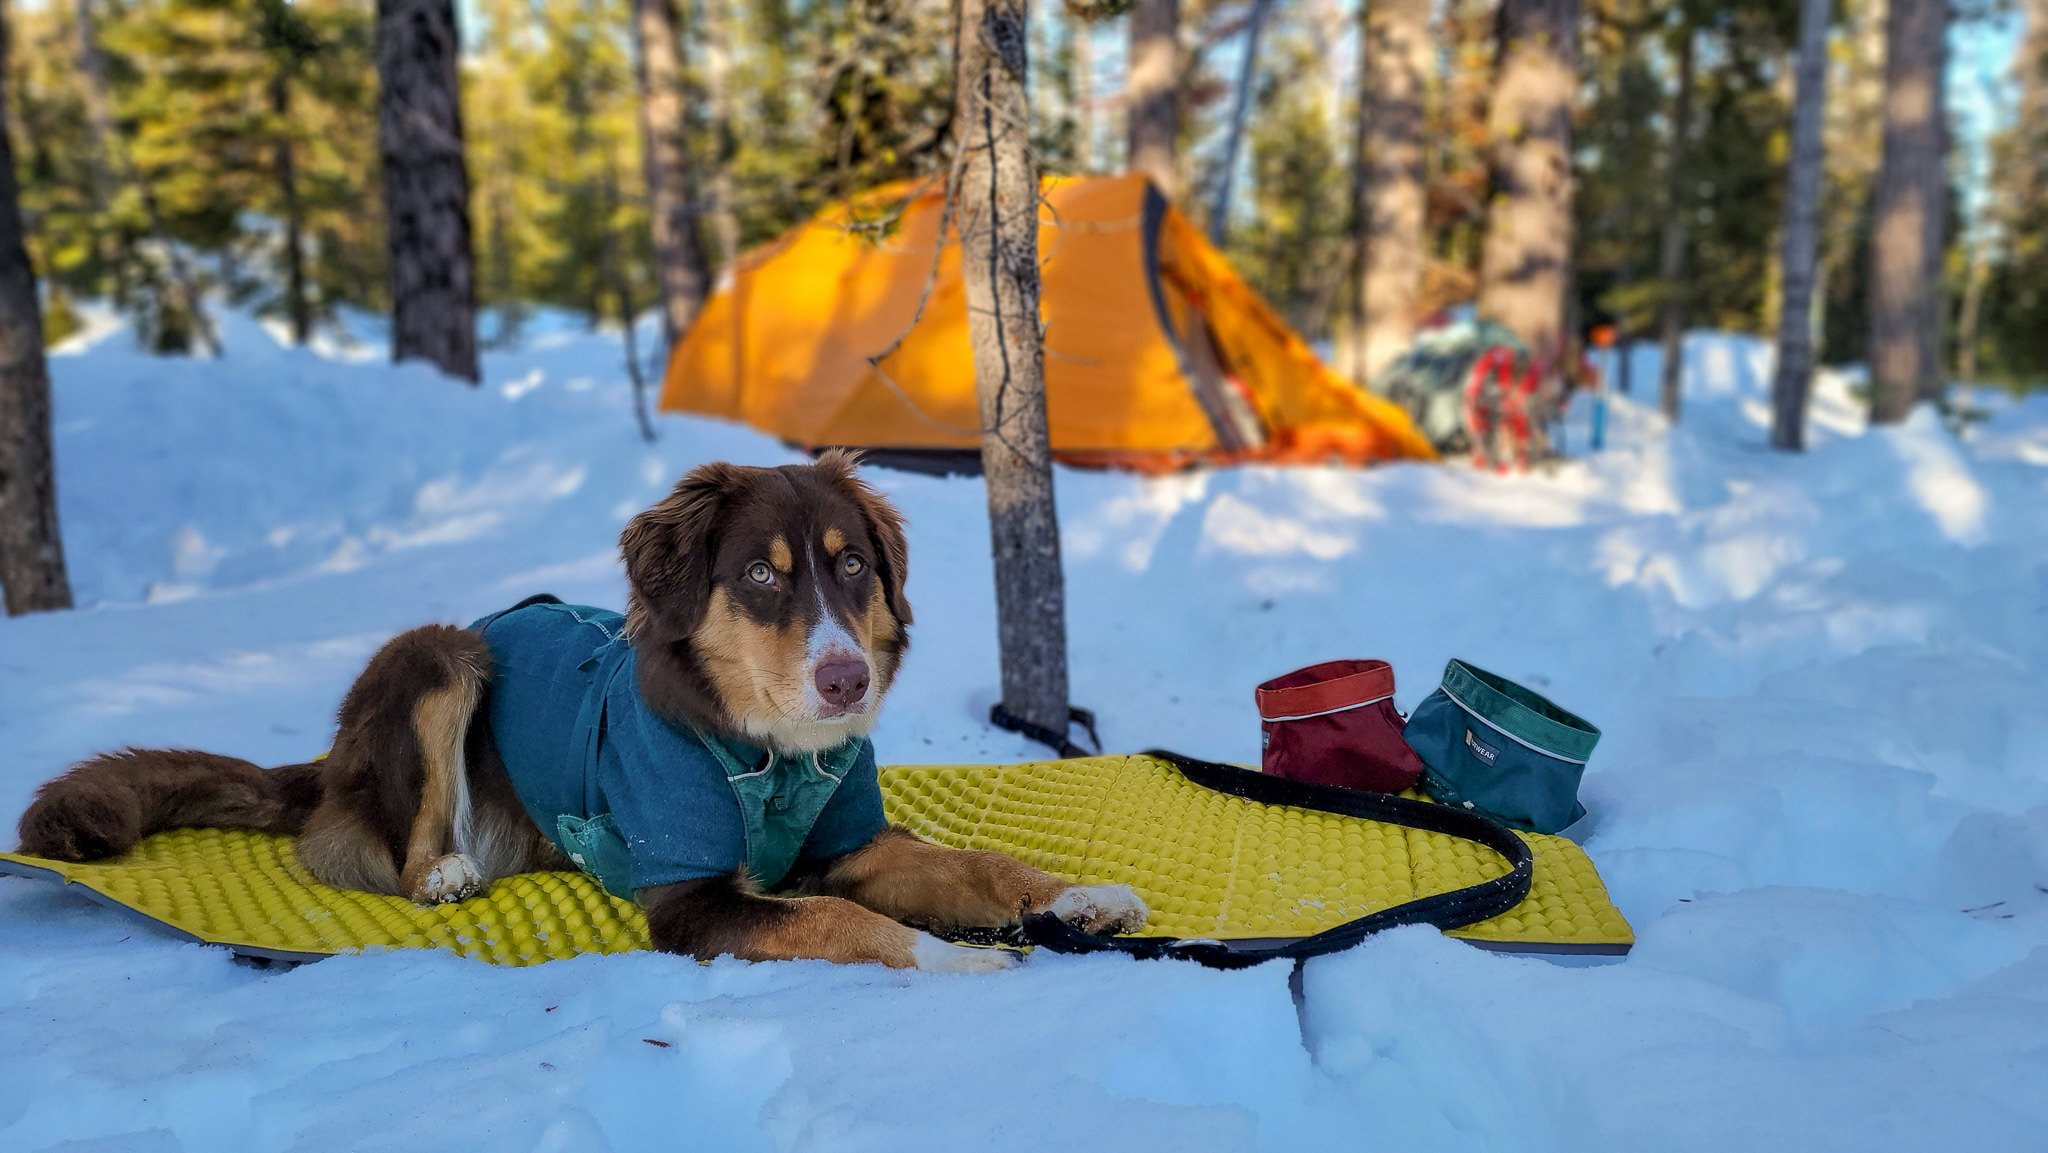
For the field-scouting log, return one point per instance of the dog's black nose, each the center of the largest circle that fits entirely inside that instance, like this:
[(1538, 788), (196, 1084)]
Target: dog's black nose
[(842, 681)]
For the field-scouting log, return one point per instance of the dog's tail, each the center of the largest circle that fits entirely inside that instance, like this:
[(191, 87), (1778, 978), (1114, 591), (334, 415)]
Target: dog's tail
[(104, 805)]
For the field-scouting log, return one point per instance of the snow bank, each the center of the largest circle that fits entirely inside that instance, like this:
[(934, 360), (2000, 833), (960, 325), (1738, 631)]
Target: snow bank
[(1822, 797)]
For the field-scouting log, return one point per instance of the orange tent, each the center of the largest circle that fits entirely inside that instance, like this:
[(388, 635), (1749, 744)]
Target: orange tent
[(1156, 353)]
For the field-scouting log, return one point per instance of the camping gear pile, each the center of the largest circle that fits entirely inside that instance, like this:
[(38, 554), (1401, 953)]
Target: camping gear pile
[(1473, 386), (1157, 354)]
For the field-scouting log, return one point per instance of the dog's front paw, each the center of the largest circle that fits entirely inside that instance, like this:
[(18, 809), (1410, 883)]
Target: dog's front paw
[(936, 956), (1100, 908), (453, 878)]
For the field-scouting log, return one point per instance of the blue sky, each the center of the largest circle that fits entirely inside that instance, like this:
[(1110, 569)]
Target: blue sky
[(1979, 82)]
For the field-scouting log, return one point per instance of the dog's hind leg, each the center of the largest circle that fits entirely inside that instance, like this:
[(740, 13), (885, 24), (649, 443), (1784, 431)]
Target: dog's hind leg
[(395, 814), (441, 862)]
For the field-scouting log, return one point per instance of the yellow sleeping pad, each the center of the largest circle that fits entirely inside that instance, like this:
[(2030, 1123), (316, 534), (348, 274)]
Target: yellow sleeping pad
[(1210, 865)]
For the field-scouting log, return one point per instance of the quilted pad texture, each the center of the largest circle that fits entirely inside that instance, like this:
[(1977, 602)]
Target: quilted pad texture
[(1209, 865)]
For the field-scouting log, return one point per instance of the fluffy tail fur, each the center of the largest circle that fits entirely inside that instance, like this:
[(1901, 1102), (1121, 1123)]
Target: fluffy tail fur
[(103, 806)]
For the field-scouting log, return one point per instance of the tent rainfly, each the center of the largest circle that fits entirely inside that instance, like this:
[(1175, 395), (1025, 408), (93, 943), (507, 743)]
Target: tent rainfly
[(1157, 354)]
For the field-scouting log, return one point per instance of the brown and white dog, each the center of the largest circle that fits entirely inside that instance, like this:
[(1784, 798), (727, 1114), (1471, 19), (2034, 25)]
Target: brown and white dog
[(766, 605)]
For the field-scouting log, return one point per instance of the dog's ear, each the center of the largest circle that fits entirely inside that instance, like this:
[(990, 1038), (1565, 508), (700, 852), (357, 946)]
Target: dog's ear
[(668, 549), (836, 467)]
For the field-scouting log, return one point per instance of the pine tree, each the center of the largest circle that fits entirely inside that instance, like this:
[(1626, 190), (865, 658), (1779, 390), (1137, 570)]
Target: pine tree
[(2013, 344), (885, 115), (1388, 194), (1152, 93), (716, 35), (1671, 245), (1240, 107), (426, 186), (161, 195), (1911, 222), (671, 195), (1618, 226), (1802, 232), (998, 226), (1297, 189), (1524, 274), (289, 41), (324, 55), (79, 248), (32, 574)]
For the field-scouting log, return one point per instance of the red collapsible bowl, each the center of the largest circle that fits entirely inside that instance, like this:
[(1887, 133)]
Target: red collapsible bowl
[(1335, 724)]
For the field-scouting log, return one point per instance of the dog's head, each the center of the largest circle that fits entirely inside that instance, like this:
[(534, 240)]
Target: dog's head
[(767, 603)]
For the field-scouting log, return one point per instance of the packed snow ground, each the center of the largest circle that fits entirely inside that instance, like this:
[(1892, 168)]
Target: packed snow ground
[(1822, 795)]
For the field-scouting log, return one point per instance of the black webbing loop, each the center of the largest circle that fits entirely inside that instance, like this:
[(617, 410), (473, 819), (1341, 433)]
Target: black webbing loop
[(1010, 722), (1452, 910)]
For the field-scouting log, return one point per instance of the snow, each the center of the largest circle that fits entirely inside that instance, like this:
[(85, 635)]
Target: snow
[(1821, 798)]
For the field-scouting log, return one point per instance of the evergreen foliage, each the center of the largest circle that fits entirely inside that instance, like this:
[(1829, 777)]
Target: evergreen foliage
[(248, 131)]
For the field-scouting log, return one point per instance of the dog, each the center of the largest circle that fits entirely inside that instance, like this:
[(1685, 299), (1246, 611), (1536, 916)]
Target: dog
[(706, 754)]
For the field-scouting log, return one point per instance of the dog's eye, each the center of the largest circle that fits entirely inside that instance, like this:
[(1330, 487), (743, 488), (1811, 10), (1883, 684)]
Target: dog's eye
[(853, 565), (760, 573)]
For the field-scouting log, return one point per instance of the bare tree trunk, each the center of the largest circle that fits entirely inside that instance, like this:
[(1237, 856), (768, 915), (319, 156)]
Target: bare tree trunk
[(1522, 280), (1334, 18), (32, 574), (298, 309), (1910, 225), (1977, 279), (1388, 199), (110, 167), (1081, 41), (98, 98), (1241, 103), (426, 186), (1152, 93), (678, 253), (716, 35), (1802, 231), (1671, 246), (998, 228), (619, 282)]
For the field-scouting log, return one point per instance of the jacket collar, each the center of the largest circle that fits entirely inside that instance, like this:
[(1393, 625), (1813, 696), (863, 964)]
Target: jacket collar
[(743, 759)]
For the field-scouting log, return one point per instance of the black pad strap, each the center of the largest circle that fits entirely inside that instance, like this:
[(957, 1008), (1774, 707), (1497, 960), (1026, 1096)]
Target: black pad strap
[(1452, 910)]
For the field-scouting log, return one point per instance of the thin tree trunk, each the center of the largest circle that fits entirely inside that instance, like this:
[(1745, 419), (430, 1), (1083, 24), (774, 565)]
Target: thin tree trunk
[(111, 168), (1802, 231), (1672, 244), (998, 228), (501, 280), (1241, 103), (1333, 19), (298, 309), (616, 279), (678, 253), (1625, 274), (32, 575), (1973, 307), (426, 186), (1388, 199), (1152, 93), (1081, 39), (717, 39), (99, 103), (1522, 279), (1906, 240)]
